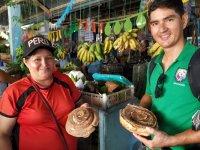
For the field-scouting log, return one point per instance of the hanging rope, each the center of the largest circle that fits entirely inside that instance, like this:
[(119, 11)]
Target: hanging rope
[(36, 11), (109, 9), (124, 8), (98, 17), (89, 21), (130, 7)]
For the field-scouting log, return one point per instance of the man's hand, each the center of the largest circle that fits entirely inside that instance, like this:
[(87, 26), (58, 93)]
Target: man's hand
[(160, 139)]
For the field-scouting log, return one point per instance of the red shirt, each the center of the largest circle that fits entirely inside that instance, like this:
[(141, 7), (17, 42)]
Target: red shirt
[(37, 129)]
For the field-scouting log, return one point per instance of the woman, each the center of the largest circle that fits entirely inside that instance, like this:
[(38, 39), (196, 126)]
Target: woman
[(22, 109)]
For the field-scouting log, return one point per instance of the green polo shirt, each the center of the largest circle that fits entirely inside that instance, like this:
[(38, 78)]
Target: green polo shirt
[(175, 108)]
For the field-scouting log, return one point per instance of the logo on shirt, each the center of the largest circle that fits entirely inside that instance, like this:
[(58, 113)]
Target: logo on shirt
[(181, 74)]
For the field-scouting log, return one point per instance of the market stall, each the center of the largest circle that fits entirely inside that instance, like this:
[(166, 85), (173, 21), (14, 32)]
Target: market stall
[(103, 46)]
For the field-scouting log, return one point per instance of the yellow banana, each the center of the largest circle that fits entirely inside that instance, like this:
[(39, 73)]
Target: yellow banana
[(79, 53), (134, 30), (87, 57), (132, 44), (134, 35), (110, 46), (107, 39), (154, 48), (121, 48), (117, 42), (79, 47), (126, 45), (84, 57), (124, 37), (157, 52), (83, 51), (106, 46)]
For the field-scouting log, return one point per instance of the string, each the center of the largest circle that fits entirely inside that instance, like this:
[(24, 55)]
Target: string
[(130, 7), (89, 21), (98, 17), (109, 9), (80, 12), (36, 10), (44, 11), (124, 8)]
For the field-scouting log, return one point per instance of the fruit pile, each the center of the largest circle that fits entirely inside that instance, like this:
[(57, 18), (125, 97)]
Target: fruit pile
[(155, 50), (60, 52), (103, 87), (126, 41), (89, 53)]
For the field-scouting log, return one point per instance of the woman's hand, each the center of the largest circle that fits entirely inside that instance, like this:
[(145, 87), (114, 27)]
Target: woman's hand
[(160, 139)]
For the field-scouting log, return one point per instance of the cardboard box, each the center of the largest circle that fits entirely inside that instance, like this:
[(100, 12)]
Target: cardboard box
[(104, 101)]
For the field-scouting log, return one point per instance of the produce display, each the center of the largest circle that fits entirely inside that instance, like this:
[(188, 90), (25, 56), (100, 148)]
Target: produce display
[(135, 119), (82, 122), (89, 53), (126, 41), (103, 87), (78, 78), (70, 66), (60, 52)]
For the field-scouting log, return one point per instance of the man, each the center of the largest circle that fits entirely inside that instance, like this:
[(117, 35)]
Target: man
[(168, 94)]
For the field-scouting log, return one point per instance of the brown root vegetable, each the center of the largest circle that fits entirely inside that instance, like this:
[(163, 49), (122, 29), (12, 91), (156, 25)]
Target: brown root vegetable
[(135, 119), (82, 122)]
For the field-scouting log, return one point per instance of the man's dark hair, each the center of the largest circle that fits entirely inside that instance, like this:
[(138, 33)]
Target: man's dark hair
[(176, 5)]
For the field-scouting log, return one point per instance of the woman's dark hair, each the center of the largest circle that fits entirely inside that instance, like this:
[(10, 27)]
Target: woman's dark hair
[(176, 5)]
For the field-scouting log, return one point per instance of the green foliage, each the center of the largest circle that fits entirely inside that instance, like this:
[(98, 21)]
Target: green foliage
[(17, 19), (10, 3), (18, 66)]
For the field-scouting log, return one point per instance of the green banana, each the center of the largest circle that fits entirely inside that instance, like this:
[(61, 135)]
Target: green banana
[(98, 55), (92, 48), (98, 48)]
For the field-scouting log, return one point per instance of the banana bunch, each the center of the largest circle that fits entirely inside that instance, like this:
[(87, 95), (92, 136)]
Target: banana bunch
[(54, 36), (108, 45), (97, 50), (155, 50), (126, 41), (83, 53), (60, 52)]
